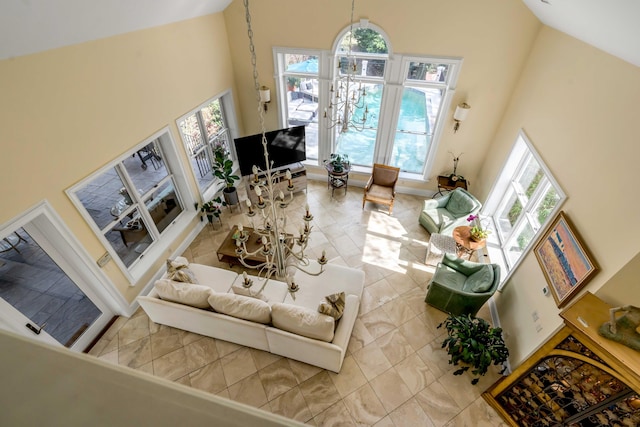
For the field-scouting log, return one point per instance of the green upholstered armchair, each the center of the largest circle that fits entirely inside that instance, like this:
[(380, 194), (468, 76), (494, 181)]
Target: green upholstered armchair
[(445, 213), (462, 287)]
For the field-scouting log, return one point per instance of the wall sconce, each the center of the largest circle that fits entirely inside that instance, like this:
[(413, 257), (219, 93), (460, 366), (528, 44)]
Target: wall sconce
[(462, 110), (265, 96)]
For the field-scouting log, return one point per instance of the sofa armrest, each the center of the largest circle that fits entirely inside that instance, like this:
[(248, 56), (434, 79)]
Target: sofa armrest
[(463, 266), (346, 322), (369, 184)]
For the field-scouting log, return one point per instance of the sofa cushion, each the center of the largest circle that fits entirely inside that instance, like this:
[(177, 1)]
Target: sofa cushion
[(460, 204), (481, 280), (179, 271), (242, 307), (183, 293), (333, 305), (302, 321), (247, 292)]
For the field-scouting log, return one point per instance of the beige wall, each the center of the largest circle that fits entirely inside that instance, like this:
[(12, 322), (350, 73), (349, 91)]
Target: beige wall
[(578, 105), (66, 112), (493, 36)]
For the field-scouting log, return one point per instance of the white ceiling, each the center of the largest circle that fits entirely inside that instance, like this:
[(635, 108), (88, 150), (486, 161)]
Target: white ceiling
[(30, 26), (609, 25)]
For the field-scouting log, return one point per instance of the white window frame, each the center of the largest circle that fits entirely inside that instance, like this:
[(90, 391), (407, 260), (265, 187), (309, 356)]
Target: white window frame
[(228, 113), (511, 170), (394, 81), (161, 242)]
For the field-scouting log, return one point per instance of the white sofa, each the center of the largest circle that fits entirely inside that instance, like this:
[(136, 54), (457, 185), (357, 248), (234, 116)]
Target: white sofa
[(313, 289)]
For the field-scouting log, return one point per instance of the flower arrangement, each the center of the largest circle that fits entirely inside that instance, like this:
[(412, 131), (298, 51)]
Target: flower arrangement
[(477, 231)]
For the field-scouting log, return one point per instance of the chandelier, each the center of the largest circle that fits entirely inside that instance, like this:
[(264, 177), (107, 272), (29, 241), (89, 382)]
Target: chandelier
[(282, 253), (347, 95)]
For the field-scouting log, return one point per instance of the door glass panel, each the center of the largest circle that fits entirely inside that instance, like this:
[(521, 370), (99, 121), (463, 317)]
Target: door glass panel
[(164, 206), (35, 286), (413, 133), (302, 109), (360, 146)]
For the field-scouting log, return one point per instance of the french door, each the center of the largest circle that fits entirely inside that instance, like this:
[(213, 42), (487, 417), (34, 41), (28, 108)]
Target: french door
[(44, 292)]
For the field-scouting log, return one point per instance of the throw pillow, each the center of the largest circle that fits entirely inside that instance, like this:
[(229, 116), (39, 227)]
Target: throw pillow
[(242, 307), (247, 292), (334, 305), (460, 204), (183, 293), (302, 321), (481, 280), (179, 271)]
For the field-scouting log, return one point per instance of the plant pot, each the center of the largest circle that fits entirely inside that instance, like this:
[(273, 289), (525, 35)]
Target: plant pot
[(476, 238), (230, 195)]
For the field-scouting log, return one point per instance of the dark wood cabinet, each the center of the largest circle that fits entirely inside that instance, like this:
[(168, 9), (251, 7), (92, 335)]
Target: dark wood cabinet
[(578, 378)]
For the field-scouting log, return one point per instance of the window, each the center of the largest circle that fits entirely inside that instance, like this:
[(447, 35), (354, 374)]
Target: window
[(524, 198), (403, 102), (133, 202), (300, 95), (202, 130)]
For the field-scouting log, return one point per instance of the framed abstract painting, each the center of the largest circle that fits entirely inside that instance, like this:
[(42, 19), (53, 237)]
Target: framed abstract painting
[(565, 261)]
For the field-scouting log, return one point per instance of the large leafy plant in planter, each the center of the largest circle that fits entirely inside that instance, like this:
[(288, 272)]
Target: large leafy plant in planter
[(473, 344), (222, 168)]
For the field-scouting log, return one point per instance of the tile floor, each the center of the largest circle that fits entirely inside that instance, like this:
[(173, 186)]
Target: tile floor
[(395, 372)]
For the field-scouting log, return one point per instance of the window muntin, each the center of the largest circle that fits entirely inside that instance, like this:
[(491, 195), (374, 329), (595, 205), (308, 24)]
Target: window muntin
[(133, 202)]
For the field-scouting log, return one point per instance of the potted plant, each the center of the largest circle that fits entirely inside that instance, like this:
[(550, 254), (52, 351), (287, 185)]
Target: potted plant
[(478, 233), (338, 161), (211, 209), (473, 343), (222, 168)]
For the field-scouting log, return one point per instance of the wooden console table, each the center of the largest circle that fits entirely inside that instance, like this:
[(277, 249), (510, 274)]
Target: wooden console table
[(577, 378), (446, 184)]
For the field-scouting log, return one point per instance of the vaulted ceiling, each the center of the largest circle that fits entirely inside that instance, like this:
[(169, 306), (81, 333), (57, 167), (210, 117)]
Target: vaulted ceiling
[(30, 26)]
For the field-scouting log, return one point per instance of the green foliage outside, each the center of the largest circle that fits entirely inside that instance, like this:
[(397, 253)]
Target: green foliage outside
[(368, 40)]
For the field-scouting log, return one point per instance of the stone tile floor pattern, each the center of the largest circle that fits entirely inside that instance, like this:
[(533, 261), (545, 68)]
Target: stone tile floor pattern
[(395, 372)]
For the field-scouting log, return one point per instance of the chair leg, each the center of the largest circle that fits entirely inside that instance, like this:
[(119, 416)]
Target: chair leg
[(363, 202)]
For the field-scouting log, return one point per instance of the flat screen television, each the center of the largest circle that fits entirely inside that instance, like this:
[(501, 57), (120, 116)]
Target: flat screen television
[(285, 146)]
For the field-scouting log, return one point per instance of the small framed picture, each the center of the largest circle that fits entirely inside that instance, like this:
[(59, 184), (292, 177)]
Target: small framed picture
[(565, 261)]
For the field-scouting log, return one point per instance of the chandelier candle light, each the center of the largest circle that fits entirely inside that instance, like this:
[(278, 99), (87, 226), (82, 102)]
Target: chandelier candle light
[(283, 252), (346, 98)]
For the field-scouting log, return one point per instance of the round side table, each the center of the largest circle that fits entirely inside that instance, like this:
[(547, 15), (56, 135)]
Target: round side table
[(337, 179), (466, 245)]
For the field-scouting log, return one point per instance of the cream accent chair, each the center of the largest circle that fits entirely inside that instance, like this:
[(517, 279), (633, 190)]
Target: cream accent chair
[(381, 186)]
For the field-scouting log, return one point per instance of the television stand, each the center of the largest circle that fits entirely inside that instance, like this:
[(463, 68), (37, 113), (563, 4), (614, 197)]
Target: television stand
[(298, 179)]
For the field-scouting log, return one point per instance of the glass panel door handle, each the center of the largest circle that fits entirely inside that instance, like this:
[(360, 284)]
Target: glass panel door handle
[(35, 329)]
